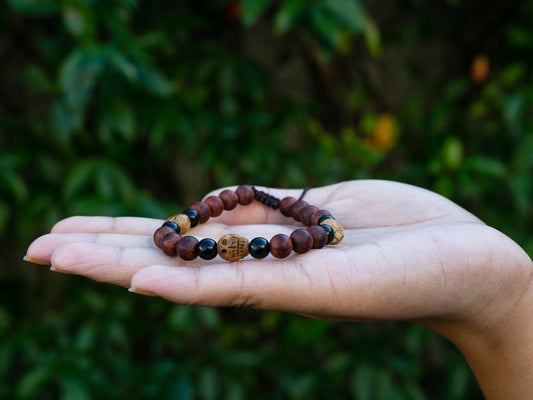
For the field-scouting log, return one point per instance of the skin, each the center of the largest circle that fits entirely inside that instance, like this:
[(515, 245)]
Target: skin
[(408, 254)]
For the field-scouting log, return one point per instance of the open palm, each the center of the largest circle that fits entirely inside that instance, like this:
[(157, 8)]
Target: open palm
[(407, 254)]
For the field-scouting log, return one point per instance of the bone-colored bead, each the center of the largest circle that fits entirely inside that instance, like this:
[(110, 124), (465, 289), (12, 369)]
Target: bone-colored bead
[(337, 228), (183, 222), (232, 247)]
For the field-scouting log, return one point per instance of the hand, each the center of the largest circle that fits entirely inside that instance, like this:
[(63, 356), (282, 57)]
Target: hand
[(407, 254)]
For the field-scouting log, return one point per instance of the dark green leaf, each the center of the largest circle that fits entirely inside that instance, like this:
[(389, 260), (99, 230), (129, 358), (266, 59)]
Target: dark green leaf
[(252, 10), (35, 7), (288, 15)]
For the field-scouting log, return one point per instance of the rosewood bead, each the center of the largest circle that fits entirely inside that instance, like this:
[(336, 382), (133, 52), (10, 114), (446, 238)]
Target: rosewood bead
[(246, 194), (297, 208), (259, 247), (285, 205), (320, 237), (229, 198), (168, 243), (302, 241), (193, 215), (307, 213), (187, 248), (280, 246), (160, 233), (203, 210), (216, 206), (207, 249), (317, 215)]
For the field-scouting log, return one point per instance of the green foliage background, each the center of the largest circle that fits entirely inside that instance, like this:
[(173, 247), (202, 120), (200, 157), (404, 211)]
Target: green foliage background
[(139, 108)]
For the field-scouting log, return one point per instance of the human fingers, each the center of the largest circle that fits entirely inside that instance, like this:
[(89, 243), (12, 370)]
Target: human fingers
[(113, 258), (41, 249), (98, 224), (106, 263)]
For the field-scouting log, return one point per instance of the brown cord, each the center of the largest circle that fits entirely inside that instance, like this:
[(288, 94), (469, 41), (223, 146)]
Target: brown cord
[(304, 192), (266, 199)]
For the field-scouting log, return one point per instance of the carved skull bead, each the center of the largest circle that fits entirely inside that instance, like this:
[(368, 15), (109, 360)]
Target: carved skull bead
[(232, 247)]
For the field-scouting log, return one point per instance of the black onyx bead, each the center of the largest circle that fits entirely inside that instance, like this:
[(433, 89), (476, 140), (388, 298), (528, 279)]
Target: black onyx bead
[(323, 218), (193, 216), (330, 232), (173, 225), (259, 247), (207, 249)]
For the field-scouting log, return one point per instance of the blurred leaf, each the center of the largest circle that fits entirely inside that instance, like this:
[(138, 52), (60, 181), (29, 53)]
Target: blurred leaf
[(5, 320), (459, 382), (486, 165), (155, 82), (452, 153), (208, 316), (78, 76), (127, 68), (349, 12), (326, 25), (35, 7), (117, 117), (32, 380), (372, 36), (252, 10), (79, 20), (79, 176), (36, 78), (209, 384), (74, 389), (288, 15), (13, 184), (362, 383)]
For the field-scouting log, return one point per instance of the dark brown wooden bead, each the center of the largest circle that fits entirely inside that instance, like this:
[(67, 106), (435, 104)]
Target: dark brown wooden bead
[(187, 248), (285, 205), (296, 209), (302, 241), (160, 233), (280, 246), (168, 243), (306, 215), (317, 215), (203, 210), (320, 237), (229, 198), (216, 206), (246, 194)]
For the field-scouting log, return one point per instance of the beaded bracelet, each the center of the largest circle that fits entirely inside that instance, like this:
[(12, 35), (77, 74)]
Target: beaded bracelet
[(322, 228)]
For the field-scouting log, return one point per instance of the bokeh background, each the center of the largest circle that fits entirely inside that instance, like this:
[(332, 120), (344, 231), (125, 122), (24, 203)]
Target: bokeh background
[(125, 107)]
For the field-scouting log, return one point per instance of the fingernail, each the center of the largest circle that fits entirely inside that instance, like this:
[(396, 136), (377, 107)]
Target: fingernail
[(141, 291), (55, 269), (34, 260)]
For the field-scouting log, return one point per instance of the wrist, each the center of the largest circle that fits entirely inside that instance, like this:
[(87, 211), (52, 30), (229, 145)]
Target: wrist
[(497, 342)]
